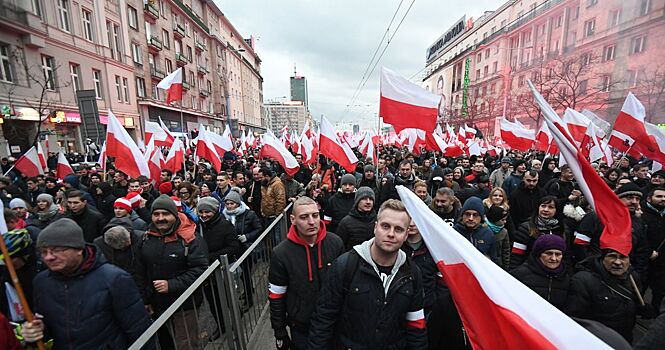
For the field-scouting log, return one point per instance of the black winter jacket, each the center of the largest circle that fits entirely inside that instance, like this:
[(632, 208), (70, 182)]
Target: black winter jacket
[(523, 242), (179, 257), (523, 202), (389, 190), (339, 206), (595, 294), (428, 270), (125, 259), (654, 223), (297, 272), (248, 224), (356, 228), (99, 307), (91, 221), (220, 236), (552, 287), (366, 316)]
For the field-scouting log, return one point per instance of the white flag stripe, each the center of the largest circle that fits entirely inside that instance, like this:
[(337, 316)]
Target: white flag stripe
[(399, 89), (415, 315)]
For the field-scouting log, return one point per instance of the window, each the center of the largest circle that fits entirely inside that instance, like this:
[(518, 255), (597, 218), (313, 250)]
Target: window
[(487, 53), (87, 25), (75, 73), (558, 22), (589, 27), (632, 78), (495, 67), (178, 46), (118, 91), (576, 12), (166, 40), (527, 37), (590, 3), (169, 65), (486, 70), (581, 89), (132, 18), (503, 23), (520, 81), (5, 65), (37, 7), (614, 18), (140, 87), (125, 89), (48, 68), (137, 53), (156, 92), (605, 83), (542, 30), (97, 79), (645, 6), (189, 53), (638, 44), (162, 9), (492, 88), (479, 58), (477, 74), (63, 14), (608, 53), (586, 59), (117, 41), (188, 31)]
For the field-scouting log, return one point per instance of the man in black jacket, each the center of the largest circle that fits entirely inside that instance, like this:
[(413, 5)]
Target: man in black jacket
[(405, 177), (340, 203), (373, 298), (171, 258), (90, 220), (524, 199), (221, 239), (357, 227), (654, 221), (298, 268)]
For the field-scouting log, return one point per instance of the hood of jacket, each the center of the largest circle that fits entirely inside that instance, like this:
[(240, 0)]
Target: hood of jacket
[(320, 236), (183, 228), (125, 222), (363, 250)]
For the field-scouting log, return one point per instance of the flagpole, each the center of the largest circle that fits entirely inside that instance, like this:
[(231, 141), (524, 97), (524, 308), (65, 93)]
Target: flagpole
[(182, 129), (7, 172), (622, 156)]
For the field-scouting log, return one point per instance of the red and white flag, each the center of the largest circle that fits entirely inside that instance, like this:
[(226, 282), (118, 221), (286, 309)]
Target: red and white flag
[(173, 86), (331, 147), (159, 133), (63, 168), (516, 136), (576, 123), (498, 311), (544, 141), (128, 157), (368, 146), (222, 143), (659, 135), (404, 104), (435, 143), (155, 164), (102, 157), (273, 148), (41, 155), (175, 157), (611, 211), (28, 164), (629, 132), (469, 132), (461, 135), (206, 148)]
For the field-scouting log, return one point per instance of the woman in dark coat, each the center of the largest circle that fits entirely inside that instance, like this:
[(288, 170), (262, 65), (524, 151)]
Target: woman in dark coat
[(105, 198), (47, 212), (544, 271)]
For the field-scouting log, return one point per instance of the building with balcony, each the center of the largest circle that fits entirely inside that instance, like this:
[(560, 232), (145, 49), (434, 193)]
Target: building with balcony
[(288, 113), (582, 54)]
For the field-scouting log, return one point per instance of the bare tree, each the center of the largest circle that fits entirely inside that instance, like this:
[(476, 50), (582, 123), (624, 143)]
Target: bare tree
[(650, 89)]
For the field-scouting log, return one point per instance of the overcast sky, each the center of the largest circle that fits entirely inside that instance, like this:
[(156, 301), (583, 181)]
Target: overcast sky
[(332, 42)]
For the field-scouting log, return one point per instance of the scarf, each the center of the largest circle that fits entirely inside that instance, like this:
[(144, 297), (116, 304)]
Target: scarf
[(48, 213), (660, 211), (232, 214), (550, 224), (495, 228)]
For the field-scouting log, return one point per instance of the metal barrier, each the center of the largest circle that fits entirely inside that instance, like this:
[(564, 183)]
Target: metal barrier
[(229, 297)]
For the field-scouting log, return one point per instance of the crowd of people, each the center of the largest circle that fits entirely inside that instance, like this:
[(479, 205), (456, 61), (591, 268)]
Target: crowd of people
[(99, 255)]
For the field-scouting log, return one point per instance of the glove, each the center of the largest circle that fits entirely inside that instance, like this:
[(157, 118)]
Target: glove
[(646, 311), (283, 343), (242, 238)]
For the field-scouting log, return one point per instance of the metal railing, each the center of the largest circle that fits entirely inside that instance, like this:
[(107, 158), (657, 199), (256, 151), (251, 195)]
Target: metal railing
[(229, 297)]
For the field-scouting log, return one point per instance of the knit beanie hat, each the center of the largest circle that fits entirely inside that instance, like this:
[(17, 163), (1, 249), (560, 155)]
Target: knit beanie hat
[(165, 202), (45, 197), (348, 179), (369, 167), (165, 188), (629, 189), (209, 204), (61, 233), (17, 203), (134, 199), (123, 203), (546, 242), (496, 213), (474, 203), (233, 196), (363, 192)]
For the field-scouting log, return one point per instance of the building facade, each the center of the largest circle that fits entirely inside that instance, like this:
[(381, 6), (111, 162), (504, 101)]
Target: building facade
[(581, 54), (288, 113), (119, 50), (299, 90)]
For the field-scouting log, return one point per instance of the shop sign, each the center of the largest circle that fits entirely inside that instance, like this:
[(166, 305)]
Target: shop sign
[(127, 122), (66, 117), (23, 113)]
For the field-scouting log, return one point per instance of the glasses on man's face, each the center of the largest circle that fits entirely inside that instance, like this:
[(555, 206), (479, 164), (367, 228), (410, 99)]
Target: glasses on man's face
[(53, 251), (184, 193)]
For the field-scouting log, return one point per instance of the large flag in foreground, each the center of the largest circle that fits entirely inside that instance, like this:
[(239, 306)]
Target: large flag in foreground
[(404, 104), (611, 211), (498, 311), (128, 157)]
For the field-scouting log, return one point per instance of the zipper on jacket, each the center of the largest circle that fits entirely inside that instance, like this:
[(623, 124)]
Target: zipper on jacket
[(549, 289)]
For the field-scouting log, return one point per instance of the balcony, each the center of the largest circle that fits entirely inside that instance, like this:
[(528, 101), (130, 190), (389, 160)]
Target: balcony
[(157, 74), (202, 69), (178, 31), (151, 11), (154, 44), (186, 86), (200, 46), (181, 59), (204, 93)]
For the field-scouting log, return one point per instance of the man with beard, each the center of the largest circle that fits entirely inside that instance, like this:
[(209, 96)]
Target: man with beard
[(356, 227), (120, 184), (524, 199), (405, 178), (564, 188), (340, 203), (654, 221), (446, 205), (304, 174)]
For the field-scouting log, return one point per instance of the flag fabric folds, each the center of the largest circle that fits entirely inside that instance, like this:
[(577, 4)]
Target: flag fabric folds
[(331, 147), (404, 104), (172, 83), (128, 157), (516, 136), (63, 168), (273, 148), (29, 163)]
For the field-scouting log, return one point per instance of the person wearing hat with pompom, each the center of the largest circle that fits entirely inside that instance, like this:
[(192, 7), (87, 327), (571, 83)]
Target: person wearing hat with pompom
[(122, 207), (340, 203), (544, 271)]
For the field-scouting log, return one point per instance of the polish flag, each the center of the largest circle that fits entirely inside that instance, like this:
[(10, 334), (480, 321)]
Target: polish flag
[(434, 142), (461, 135), (368, 147), (63, 168), (630, 124), (404, 104), (41, 155), (611, 211), (498, 311), (162, 136), (415, 138), (155, 164), (128, 157), (274, 149), (469, 132), (576, 123), (659, 136), (173, 86), (207, 149), (175, 157), (223, 143), (28, 164), (331, 147), (516, 136), (309, 151), (544, 141), (592, 148)]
